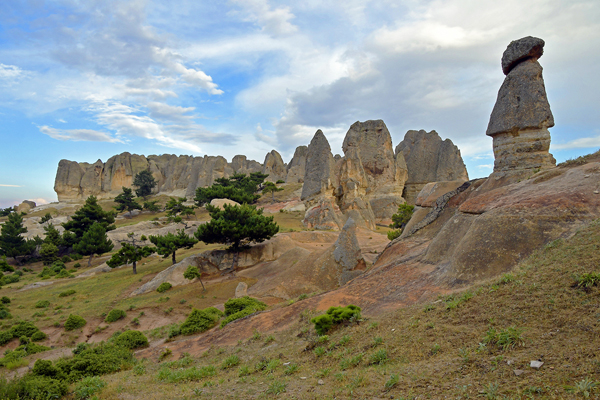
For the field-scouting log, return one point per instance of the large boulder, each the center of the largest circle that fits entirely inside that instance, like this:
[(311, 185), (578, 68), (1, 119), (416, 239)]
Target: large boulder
[(371, 179), (274, 167), (26, 206), (297, 166), (220, 203), (429, 159), (68, 179), (521, 116)]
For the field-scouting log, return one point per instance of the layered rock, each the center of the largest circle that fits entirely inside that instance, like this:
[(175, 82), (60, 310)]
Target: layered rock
[(274, 167), (297, 166), (429, 159), (521, 116), (241, 165), (371, 178)]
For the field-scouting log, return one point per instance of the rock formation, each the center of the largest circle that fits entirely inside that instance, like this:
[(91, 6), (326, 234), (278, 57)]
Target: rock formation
[(274, 166), (429, 159), (296, 167), (175, 175), (319, 183), (371, 178), (521, 116), (25, 206)]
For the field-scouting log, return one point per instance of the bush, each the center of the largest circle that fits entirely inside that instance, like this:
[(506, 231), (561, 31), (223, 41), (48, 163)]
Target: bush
[(394, 234), (115, 315), (40, 387), (240, 308), (233, 306), (5, 300), (401, 218), (4, 314), (102, 359), (65, 258), (24, 328), (42, 304), (74, 322), (76, 265), (164, 287), (131, 340), (200, 321), (38, 336), (335, 316), (67, 293)]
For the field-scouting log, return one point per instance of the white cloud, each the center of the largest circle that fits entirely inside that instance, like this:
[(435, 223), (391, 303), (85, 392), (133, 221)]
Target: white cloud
[(10, 72), (581, 143), (3, 185), (78, 135), (273, 21), (486, 166)]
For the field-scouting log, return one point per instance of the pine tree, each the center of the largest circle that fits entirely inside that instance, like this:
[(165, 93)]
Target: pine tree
[(270, 187), (130, 252), (236, 226), (12, 244), (126, 202), (145, 182), (52, 235), (175, 206), (193, 272), (94, 241), (86, 216), (168, 244)]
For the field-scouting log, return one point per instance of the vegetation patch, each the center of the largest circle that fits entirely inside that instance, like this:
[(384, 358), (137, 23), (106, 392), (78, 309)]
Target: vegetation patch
[(164, 287), (242, 307), (115, 315), (335, 316), (131, 340), (66, 293), (74, 322)]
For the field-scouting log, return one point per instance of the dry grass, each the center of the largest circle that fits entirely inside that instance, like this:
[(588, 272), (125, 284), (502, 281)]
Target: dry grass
[(435, 350)]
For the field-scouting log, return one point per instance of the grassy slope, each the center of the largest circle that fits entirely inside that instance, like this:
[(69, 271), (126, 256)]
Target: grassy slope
[(433, 349)]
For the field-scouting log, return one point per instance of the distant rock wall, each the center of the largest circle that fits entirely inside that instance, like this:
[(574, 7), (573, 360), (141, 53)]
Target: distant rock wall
[(175, 175)]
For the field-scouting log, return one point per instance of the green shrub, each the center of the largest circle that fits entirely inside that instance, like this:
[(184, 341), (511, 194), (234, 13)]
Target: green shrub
[(401, 218), (76, 256), (64, 274), (67, 293), (4, 314), (230, 362), (335, 316), (65, 259), (40, 387), (5, 300), (42, 304), (88, 387), (586, 281), (115, 315), (24, 328), (131, 340), (506, 338), (38, 336), (164, 287), (105, 358), (394, 234), (74, 322), (238, 315), (233, 306), (200, 321)]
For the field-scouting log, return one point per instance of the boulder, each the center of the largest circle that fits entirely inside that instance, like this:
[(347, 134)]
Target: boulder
[(429, 159), (319, 177), (68, 179), (241, 165), (324, 214), (521, 50), (274, 166), (297, 166), (371, 179), (347, 254), (241, 290), (26, 206), (219, 203)]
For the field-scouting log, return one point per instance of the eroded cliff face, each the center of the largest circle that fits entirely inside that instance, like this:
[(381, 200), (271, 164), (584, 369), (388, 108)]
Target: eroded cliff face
[(175, 175)]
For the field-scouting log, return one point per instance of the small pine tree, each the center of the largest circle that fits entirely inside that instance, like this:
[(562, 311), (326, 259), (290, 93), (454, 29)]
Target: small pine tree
[(12, 244), (130, 252), (236, 226), (52, 235), (86, 216), (168, 244), (270, 187), (176, 207), (126, 202), (145, 182), (192, 272), (94, 241)]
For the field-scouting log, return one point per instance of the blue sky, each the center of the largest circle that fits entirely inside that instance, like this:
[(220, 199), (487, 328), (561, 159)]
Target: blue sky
[(85, 80)]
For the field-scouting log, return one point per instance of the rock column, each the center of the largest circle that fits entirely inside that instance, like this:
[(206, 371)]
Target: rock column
[(521, 116)]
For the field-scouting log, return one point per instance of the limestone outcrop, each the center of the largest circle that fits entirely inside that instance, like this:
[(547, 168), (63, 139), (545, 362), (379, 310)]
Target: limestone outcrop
[(319, 178), (26, 206), (429, 159), (371, 178), (521, 116), (175, 175), (297, 166), (274, 166)]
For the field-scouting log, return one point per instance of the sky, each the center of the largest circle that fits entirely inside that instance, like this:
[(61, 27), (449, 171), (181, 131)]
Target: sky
[(85, 80)]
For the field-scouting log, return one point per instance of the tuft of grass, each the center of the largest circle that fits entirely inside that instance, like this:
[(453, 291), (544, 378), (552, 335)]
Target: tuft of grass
[(391, 383), (276, 387), (291, 369), (186, 375), (230, 362), (379, 357), (506, 338), (586, 281)]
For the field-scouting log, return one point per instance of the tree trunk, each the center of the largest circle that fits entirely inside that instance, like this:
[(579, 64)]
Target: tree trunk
[(272, 197), (203, 288), (173, 258), (134, 267), (90, 260)]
